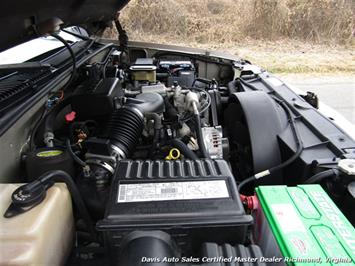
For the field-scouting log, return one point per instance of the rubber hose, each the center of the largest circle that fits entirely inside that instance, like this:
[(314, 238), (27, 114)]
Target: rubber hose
[(67, 45), (61, 176), (125, 128), (184, 149), (73, 155), (244, 182), (321, 176)]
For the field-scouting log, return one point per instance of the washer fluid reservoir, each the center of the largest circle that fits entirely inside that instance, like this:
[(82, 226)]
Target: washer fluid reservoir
[(41, 236)]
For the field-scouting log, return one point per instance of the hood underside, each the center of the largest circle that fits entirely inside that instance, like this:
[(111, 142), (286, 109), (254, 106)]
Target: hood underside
[(18, 18)]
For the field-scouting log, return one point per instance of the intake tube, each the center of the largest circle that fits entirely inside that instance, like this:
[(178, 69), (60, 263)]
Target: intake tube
[(126, 124), (137, 246), (124, 129)]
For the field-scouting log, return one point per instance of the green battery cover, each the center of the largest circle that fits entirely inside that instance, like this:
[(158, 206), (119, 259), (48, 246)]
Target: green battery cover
[(308, 227)]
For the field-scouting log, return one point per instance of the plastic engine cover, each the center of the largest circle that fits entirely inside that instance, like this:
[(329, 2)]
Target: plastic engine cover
[(193, 201)]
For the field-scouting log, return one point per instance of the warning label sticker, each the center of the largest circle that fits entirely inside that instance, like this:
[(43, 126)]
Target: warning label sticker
[(172, 191)]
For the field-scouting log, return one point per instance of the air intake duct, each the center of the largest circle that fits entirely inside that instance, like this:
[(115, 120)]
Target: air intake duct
[(146, 248), (124, 129)]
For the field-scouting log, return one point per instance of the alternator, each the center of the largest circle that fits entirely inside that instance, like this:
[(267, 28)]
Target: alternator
[(216, 145)]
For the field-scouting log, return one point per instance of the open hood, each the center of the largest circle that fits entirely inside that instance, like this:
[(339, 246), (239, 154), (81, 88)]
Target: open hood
[(18, 17)]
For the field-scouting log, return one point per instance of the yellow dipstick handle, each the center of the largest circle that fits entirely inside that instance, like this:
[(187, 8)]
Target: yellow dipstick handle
[(174, 154)]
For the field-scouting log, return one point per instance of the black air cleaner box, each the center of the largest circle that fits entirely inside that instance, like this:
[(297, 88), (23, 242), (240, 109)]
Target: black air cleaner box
[(193, 201)]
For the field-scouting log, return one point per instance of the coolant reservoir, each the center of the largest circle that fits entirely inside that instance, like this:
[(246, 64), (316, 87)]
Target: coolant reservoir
[(43, 235)]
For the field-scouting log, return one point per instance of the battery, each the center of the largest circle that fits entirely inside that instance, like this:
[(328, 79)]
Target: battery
[(304, 226), (193, 201)]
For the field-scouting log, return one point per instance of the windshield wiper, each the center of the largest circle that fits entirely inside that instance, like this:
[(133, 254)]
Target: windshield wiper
[(19, 85), (27, 66)]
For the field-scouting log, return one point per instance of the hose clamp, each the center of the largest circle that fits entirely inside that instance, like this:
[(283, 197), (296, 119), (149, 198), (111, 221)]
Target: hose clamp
[(135, 109), (103, 164), (117, 151)]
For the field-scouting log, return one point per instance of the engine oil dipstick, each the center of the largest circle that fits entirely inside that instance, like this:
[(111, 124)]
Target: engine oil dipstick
[(174, 154)]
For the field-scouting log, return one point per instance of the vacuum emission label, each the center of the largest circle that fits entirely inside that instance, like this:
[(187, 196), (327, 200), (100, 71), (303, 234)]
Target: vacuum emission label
[(172, 191)]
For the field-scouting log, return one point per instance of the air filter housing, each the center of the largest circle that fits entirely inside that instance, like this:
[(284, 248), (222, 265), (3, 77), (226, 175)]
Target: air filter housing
[(193, 201)]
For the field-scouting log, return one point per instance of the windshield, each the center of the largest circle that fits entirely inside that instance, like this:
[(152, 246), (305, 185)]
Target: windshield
[(31, 49)]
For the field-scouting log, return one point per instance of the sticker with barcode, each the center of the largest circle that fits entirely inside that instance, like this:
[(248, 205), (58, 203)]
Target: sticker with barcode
[(172, 191)]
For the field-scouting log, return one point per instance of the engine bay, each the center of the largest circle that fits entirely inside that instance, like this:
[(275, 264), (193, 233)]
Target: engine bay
[(162, 151), (132, 115)]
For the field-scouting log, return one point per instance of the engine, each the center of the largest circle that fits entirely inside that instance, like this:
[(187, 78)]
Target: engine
[(159, 113)]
